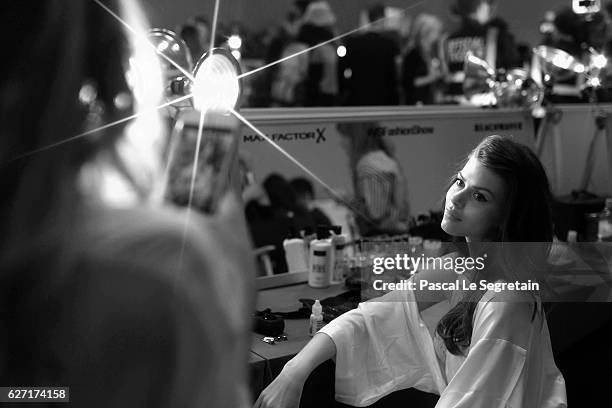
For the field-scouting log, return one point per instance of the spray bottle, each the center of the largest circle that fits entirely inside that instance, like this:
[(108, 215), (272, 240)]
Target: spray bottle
[(339, 261)]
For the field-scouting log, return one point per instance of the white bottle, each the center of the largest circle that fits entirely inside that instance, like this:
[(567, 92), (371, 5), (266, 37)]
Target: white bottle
[(316, 318), (296, 254), (432, 248), (338, 264), (415, 244), (319, 264)]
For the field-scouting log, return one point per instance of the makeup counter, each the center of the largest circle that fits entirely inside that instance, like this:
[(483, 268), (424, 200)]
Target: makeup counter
[(429, 142)]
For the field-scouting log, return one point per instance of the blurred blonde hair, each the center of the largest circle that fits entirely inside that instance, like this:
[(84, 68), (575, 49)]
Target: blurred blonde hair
[(420, 25)]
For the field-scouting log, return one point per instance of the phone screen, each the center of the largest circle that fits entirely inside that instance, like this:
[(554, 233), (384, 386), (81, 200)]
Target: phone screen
[(217, 156)]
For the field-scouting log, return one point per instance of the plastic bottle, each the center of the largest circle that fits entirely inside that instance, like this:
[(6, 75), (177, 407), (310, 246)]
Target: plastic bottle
[(316, 318), (308, 236), (432, 248), (604, 225), (296, 253), (415, 244), (320, 259), (572, 243), (339, 263)]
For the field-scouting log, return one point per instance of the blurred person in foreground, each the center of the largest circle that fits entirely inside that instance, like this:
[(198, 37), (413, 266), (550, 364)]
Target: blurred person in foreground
[(103, 288)]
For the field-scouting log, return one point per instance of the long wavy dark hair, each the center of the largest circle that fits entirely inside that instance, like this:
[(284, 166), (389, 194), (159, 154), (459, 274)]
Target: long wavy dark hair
[(61, 45), (527, 219)]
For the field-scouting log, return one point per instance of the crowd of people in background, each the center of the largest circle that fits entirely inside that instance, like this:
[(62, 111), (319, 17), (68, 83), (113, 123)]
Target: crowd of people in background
[(417, 61), (280, 208)]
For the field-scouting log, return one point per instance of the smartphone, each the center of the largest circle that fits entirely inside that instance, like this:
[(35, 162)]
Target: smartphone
[(216, 167)]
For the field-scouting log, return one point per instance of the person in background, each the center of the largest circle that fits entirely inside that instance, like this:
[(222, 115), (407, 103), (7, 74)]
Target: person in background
[(379, 184), (104, 288), (204, 32), (304, 194), (489, 348), (486, 37), (271, 216), (306, 78), (321, 81), (190, 35), (369, 67), (421, 66), (280, 37)]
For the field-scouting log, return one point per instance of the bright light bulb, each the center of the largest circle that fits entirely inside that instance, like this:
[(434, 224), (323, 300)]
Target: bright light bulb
[(161, 47), (234, 42), (594, 82), (341, 51), (236, 54), (216, 84), (600, 61), (560, 61)]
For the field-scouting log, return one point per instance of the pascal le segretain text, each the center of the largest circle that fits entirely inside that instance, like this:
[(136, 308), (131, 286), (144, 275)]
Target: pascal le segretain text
[(458, 284)]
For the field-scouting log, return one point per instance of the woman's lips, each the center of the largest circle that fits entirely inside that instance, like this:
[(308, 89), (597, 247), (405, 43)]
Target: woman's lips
[(451, 214)]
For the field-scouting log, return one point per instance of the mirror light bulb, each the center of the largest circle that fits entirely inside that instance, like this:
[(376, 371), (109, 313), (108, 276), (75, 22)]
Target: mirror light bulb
[(234, 42), (216, 84)]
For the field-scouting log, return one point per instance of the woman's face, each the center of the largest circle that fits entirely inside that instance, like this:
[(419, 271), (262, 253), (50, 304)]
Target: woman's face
[(483, 13), (430, 35), (474, 203)]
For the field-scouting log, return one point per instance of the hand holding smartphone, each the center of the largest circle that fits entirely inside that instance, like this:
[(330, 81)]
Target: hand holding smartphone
[(216, 165)]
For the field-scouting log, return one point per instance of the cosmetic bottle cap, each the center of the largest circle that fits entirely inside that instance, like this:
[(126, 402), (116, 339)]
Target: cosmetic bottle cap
[(317, 309)]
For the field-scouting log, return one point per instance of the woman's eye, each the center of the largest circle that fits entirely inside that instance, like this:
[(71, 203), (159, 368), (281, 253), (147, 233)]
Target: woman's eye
[(459, 182), (480, 197)]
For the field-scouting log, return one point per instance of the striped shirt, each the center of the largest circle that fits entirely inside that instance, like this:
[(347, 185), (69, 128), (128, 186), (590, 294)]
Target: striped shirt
[(381, 185)]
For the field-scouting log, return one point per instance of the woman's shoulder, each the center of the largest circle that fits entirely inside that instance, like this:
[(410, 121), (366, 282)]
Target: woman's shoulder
[(509, 310), (376, 161), (506, 292)]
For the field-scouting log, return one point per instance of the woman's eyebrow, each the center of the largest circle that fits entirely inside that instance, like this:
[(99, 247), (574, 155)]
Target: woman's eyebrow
[(476, 187)]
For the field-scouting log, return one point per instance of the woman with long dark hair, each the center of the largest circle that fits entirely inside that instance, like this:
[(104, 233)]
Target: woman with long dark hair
[(103, 289), (491, 348)]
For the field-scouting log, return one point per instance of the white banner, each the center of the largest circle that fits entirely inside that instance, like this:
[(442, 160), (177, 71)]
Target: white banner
[(429, 143)]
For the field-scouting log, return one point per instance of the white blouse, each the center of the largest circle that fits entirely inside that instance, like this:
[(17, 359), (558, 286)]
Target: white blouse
[(384, 346)]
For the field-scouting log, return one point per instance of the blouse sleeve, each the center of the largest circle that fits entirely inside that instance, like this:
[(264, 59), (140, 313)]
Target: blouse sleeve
[(494, 372), (382, 346)]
